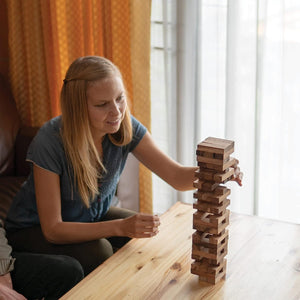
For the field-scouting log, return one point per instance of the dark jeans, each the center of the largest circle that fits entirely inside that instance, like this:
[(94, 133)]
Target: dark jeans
[(40, 275), (89, 254)]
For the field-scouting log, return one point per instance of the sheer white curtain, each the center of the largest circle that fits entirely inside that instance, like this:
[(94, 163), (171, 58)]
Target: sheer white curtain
[(232, 70)]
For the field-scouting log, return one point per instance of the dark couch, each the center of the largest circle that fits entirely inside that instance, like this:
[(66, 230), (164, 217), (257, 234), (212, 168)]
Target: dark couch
[(14, 141)]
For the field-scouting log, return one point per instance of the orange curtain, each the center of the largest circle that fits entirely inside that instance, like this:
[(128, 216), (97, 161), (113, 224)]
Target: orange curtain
[(46, 36)]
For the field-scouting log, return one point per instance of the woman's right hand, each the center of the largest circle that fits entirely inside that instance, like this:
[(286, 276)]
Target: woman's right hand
[(6, 289), (140, 226)]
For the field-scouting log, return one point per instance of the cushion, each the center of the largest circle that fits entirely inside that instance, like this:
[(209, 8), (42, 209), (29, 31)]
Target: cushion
[(9, 186), (23, 140), (9, 127)]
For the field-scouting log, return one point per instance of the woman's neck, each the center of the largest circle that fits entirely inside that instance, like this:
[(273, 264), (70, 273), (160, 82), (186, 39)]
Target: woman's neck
[(98, 144)]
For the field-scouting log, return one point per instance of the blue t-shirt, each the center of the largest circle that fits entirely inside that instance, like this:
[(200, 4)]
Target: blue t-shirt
[(47, 151)]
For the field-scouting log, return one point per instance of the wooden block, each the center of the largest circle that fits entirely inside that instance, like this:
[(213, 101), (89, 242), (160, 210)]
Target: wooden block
[(209, 240), (211, 155), (206, 154), (211, 207), (203, 245), (217, 167), (208, 273), (218, 196), (203, 238), (198, 183), (213, 175), (216, 145), (213, 161), (198, 253), (203, 266), (210, 251), (221, 190), (209, 219), (206, 174), (217, 219), (210, 224), (222, 177), (207, 186)]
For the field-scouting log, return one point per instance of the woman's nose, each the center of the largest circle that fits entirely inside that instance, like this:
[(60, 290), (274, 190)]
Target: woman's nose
[(115, 109)]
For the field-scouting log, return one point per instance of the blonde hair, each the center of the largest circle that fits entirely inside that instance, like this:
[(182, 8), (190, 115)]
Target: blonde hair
[(78, 142)]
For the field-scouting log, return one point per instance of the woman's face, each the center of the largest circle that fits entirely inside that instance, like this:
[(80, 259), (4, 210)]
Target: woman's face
[(106, 104)]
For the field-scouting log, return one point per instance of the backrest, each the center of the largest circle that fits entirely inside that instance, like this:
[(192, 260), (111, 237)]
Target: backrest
[(23, 140), (9, 186), (9, 127)]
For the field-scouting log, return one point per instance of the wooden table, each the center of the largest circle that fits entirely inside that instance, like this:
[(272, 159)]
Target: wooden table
[(263, 262)]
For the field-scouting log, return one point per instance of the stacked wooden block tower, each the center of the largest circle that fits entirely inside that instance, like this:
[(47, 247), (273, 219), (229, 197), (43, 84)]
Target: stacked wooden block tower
[(210, 239)]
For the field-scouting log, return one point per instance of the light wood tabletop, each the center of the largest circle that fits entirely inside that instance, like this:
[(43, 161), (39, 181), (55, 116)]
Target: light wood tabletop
[(263, 262)]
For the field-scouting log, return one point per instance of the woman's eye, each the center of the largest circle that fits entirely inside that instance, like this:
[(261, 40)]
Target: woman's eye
[(120, 98), (101, 104)]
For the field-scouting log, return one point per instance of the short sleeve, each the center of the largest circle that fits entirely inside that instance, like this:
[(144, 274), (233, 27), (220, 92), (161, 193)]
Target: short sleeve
[(46, 149), (138, 132), (6, 261)]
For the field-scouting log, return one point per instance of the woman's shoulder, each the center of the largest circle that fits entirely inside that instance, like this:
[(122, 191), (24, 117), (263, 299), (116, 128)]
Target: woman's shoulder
[(53, 125), (46, 149), (134, 120), (49, 132), (137, 127)]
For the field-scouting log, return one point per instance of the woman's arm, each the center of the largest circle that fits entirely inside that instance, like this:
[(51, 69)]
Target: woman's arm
[(178, 176), (55, 230)]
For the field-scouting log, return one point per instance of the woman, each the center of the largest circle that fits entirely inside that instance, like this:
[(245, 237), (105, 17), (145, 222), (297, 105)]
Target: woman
[(77, 159)]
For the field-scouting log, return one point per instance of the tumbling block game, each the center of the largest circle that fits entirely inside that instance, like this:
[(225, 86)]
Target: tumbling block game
[(210, 240)]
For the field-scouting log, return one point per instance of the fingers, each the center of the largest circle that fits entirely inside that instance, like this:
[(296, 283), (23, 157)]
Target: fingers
[(237, 170), (150, 221), (239, 178), (147, 224), (143, 235), (238, 175), (143, 225), (236, 163), (146, 232)]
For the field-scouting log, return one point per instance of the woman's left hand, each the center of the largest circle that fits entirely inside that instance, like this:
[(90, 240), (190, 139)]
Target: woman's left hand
[(238, 175)]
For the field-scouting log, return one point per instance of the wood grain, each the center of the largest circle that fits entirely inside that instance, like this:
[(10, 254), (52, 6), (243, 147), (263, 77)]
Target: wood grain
[(263, 262)]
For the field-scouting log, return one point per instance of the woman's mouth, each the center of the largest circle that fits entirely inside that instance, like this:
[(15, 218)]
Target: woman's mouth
[(114, 122)]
